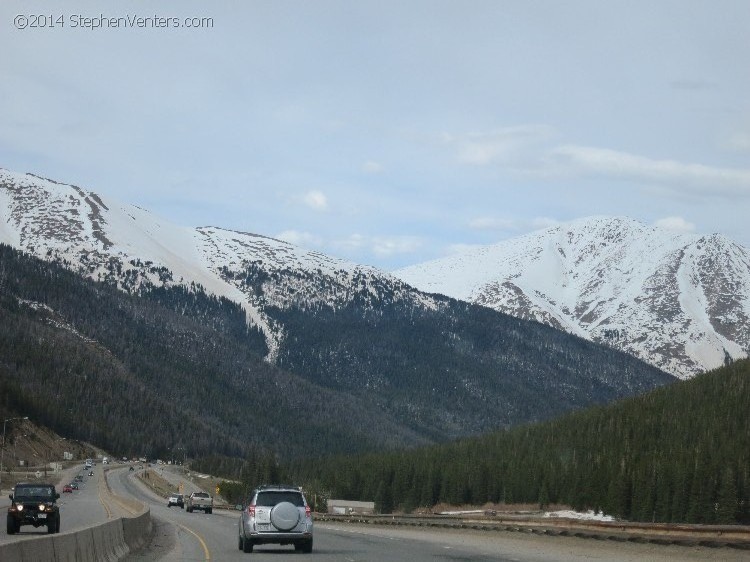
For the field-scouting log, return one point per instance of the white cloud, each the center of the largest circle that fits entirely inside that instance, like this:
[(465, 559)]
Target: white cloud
[(371, 167), (502, 146), (316, 200), (675, 224), (739, 142), (625, 165), (499, 224), (392, 245), (539, 223), (491, 223), (460, 248), (695, 85), (381, 246), (302, 239), (354, 242)]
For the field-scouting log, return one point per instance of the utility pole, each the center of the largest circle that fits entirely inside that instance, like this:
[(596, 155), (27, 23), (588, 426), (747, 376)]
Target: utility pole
[(2, 450)]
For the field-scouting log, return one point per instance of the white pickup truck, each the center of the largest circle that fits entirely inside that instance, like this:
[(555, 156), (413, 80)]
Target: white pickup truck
[(199, 500)]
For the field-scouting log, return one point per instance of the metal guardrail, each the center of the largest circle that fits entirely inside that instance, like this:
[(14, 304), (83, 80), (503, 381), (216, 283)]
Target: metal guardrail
[(733, 536)]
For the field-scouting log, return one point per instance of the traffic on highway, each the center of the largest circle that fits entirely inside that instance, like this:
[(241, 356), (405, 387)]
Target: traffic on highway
[(226, 533), (79, 504)]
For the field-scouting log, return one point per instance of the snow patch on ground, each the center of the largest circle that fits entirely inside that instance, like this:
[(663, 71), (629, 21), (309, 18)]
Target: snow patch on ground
[(587, 515)]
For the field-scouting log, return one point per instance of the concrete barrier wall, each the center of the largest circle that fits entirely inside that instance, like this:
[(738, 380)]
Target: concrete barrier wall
[(137, 530), (66, 547), (11, 552), (41, 550), (84, 545), (109, 541)]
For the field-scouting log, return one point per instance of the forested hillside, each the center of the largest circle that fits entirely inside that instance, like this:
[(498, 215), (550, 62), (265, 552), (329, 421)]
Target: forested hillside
[(160, 367), (457, 369), (677, 454), (141, 375)]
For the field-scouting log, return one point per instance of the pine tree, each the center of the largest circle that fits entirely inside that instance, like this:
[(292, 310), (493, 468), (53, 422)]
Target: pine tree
[(726, 499)]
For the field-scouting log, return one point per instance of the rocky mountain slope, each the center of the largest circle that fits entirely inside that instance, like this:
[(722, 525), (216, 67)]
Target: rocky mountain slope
[(135, 250), (435, 367), (680, 302)]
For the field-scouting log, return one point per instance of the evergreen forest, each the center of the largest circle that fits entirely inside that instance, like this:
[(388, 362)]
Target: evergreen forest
[(147, 371), (172, 369), (389, 403), (676, 454)]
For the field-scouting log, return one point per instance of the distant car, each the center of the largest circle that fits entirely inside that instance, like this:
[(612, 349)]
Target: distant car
[(279, 515), (74, 485), (176, 499), (67, 489), (91, 472)]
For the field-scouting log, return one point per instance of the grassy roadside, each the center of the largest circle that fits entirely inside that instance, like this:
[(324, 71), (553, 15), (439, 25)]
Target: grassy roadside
[(156, 483), (162, 487)]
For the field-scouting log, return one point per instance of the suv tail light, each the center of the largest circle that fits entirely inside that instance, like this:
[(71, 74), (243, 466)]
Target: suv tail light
[(308, 511), (251, 510)]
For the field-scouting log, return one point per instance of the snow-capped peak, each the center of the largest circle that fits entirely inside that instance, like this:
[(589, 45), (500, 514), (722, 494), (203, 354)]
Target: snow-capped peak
[(131, 247), (679, 301)]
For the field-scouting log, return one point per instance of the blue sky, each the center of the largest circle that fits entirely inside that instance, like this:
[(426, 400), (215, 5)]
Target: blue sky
[(388, 133)]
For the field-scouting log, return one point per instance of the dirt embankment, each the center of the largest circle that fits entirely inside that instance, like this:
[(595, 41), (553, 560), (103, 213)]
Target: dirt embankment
[(30, 449)]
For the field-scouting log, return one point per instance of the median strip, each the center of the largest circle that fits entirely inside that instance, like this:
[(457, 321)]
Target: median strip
[(102, 488)]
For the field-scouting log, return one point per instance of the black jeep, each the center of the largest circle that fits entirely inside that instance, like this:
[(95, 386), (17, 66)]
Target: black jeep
[(34, 504)]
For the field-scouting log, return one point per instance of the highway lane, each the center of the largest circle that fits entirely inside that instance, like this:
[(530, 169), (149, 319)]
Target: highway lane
[(355, 543), (197, 536), (82, 508), (182, 536)]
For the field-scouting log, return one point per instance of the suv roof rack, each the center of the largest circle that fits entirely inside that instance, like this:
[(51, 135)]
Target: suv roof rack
[(279, 487)]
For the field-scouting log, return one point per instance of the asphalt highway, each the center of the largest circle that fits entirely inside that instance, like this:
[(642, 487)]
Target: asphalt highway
[(182, 536), (79, 509)]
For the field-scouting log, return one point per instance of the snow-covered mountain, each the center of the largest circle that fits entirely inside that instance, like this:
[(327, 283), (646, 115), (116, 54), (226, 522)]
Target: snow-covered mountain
[(130, 247), (341, 340), (678, 301)]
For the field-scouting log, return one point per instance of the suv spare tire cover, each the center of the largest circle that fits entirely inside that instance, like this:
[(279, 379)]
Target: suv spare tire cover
[(285, 516)]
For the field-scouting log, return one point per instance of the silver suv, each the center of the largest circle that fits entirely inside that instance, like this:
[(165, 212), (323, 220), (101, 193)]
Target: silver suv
[(278, 515)]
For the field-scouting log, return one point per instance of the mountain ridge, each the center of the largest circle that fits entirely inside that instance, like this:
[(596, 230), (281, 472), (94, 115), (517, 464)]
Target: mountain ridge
[(438, 367), (151, 251), (678, 301)]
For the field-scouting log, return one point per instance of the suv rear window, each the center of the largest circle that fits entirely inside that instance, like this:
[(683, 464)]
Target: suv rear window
[(200, 495), (270, 499)]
